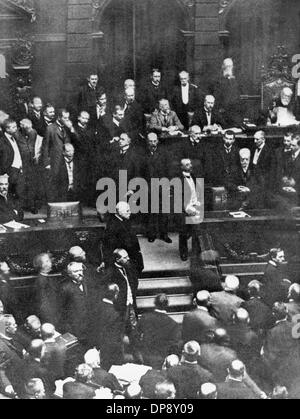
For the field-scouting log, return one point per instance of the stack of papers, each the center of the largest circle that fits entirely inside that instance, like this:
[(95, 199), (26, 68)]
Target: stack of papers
[(129, 373), (16, 226)]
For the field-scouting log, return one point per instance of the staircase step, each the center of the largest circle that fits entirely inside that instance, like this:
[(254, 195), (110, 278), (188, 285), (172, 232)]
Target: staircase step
[(179, 300), (161, 284)]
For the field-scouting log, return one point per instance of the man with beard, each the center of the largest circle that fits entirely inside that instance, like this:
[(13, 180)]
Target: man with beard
[(228, 95), (134, 116), (8, 210), (281, 113), (86, 158), (153, 92)]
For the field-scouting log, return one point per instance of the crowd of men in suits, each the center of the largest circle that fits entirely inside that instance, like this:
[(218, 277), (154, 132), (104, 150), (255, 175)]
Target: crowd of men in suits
[(59, 155), (234, 343)]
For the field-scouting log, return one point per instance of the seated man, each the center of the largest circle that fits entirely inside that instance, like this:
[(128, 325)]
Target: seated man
[(8, 211), (207, 118), (291, 179), (248, 185), (165, 121), (281, 113)]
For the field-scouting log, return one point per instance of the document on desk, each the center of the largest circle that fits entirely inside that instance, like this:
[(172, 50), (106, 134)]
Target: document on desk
[(240, 214), (16, 226)]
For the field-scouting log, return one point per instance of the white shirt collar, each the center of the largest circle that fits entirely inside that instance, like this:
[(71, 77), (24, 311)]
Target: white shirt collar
[(5, 337), (105, 300), (296, 154), (202, 308)]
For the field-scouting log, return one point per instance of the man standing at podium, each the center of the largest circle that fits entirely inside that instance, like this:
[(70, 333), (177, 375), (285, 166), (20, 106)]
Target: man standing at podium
[(191, 208)]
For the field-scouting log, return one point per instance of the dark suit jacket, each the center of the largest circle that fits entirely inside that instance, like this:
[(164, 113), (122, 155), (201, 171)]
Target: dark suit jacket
[(282, 164), (188, 379), (54, 359), (281, 353), (119, 235), (221, 167), (74, 309), (129, 162), (114, 276), (160, 337), (104, 379), (38, 123), (217, 359), (200, 118), (134, 119), (255, 182), (275, 289), (224, 305), (35, 369), (180, 108), (260, 314), (11, 363), (47, 299), (78, 391), (7, 212), (60, 182), (6, 155), (198, 325), (245, 342), (233, 390), (155, 165), (158, 122), (151, 95), (294, 172), (107, 333), (87, 98), (149, 380), (52, 148), (264, 165)]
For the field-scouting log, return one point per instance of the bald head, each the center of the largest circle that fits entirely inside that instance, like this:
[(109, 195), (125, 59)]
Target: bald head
[(221, 337), (92, 358), (208, 391), (129, 84), (242, 316), (237, 369), (48, 331), (26, 125), (33, 325), (69, 151), (232, 284), (134, 391), (294, 293), (77, 254), (123, 210), (191, 351), (171, 361), (203, 298), (254, 288), (129, 95), (36, 348)]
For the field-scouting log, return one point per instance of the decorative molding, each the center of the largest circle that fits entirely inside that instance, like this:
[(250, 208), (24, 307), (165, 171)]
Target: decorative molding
[(22, 52), (27, 6), (50, 37)]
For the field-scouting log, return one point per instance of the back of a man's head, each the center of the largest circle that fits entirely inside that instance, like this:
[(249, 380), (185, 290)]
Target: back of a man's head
[(165, 390), (237, 369), (92, 358), (161, 302), (202, 299), (84, 373), (208, 391), (48, 331), (232, 284), (241, 317), (36, 348), (133, 392), (112, 291), (191, 351), (171, 361), (254, 288), (294, 293), (221, 337), (280, 311)]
